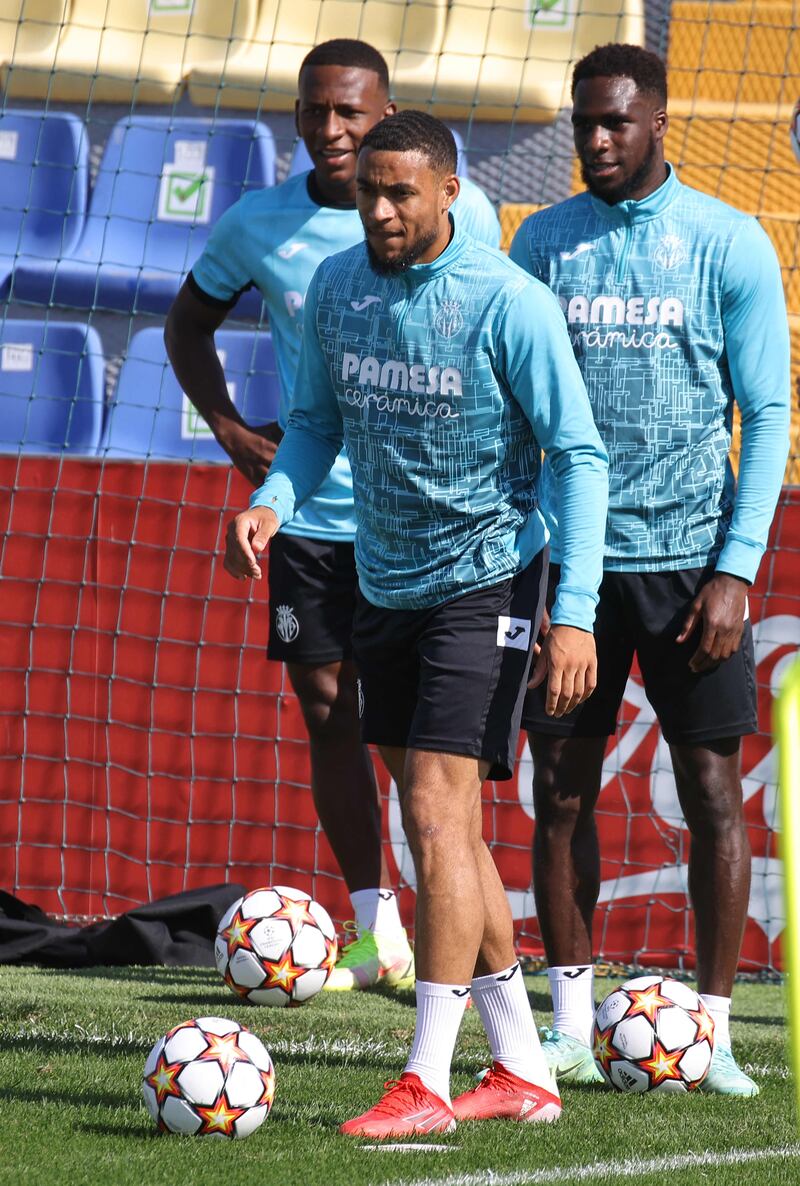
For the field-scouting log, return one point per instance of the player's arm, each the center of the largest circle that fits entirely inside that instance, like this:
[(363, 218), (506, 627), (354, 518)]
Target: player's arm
[(757, 350), (545, 379), (197, 312), (522, 254), (311, 444)]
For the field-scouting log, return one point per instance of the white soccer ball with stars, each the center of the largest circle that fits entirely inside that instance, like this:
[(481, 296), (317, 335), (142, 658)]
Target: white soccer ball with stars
[(653, 1034), (276, 946), (209, 1078), (794, 130)]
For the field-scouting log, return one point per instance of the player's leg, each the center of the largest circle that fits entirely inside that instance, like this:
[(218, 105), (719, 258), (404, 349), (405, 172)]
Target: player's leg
[(312, 598), (567, 762), (463, 723), (703, 718)]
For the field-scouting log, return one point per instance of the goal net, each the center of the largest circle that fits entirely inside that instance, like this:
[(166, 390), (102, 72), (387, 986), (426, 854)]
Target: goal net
[(146, 746)]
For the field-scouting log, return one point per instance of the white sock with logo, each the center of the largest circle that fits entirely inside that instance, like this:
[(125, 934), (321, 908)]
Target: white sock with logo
[(572, 990), (502, 1002), (440, 1008), (720, 1010), (376, 910)]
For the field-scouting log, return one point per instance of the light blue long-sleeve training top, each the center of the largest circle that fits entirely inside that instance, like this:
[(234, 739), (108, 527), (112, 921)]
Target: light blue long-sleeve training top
[(276, 238), (444, 382), (675, 308)]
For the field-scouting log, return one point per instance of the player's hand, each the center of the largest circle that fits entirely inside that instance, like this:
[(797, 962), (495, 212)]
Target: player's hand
[(252, 450), (569, 662), (247, 537), (720, 608)]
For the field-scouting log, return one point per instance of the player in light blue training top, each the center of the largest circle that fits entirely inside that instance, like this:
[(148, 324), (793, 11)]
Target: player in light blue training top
[(274, 239), (445, 370), (674, 304)]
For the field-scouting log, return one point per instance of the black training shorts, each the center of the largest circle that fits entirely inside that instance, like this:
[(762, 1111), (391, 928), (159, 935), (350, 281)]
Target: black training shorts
[(312, 591), (451, 678), (642, 613)]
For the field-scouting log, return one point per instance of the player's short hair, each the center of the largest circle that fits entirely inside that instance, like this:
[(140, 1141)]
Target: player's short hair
[(415, 131), (624, 61), (346, 51)]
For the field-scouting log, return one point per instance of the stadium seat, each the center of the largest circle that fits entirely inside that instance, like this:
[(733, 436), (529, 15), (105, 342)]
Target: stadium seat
[(122, 51), (264, 73), (733, 52), (512, 59), (30, 29), (44, 179), (51, 387), (162, 184), (301, 161), (150, 417)]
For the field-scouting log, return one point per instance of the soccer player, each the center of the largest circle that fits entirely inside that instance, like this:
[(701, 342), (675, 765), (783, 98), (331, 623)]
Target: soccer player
[(444, 368), (675, 308), (275, 239)]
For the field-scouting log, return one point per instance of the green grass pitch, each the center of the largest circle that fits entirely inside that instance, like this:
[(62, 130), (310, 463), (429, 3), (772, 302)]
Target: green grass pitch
[(73, 1044)]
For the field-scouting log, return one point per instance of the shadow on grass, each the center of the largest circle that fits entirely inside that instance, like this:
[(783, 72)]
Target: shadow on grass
[(739, 1019), (79, 1098), (151, 974), (144, 1132), (66, 1044)]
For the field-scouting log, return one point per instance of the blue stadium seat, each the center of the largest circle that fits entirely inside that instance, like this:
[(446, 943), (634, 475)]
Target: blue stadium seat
[(51, 387), (150, 417), (44, 181), (162, 184), (301, 161)]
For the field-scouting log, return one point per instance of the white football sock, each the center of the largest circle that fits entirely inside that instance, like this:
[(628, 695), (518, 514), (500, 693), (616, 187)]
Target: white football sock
[(572, 990), (720, 1010), (502, 1002), (376, 910), (440, 1008)]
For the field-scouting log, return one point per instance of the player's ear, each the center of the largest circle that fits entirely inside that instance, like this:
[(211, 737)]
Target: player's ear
[(451, 188), (390, 109), (660, 123)]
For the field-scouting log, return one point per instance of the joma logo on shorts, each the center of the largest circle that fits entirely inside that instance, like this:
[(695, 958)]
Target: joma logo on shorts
[(394, 375)]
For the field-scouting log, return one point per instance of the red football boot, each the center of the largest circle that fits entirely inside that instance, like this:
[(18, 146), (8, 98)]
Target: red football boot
[(407, 1108), (503, 1096)]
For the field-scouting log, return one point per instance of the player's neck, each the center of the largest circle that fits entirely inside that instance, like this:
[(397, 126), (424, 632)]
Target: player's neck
[(343, 198)]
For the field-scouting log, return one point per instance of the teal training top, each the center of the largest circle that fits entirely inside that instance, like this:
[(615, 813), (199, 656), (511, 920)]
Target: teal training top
[(444, 382), (675, 308), (275, 239)]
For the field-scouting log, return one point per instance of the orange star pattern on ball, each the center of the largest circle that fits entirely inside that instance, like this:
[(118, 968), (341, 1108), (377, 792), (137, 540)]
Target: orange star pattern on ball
[(662, 1065), (331, 951), (282, 974), (238, 933), (705, 1024), (646, 1001), (162, 1080), (225, 1049), (296, 913), (220, 1117), (604, 1052), (268, 1094)]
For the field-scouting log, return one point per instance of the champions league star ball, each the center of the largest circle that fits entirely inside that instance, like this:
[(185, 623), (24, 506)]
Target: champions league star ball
[(794, 130), (276, 946), (209, 1078), (653, 1034)]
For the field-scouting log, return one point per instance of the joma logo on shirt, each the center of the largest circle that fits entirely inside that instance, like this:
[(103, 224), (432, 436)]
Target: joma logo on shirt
[(394, 375), (613, 310)]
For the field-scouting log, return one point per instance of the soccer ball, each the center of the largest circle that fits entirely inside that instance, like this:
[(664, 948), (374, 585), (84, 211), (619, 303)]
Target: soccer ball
[(653, 1034), (276, 946), (209, 1078), (794, 130)]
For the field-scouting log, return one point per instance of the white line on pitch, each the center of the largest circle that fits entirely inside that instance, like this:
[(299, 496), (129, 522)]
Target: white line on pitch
[(631, 1167)]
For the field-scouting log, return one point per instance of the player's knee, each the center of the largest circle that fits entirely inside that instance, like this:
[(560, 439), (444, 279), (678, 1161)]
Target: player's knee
[(430, 823)]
